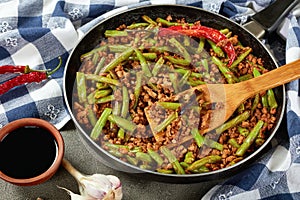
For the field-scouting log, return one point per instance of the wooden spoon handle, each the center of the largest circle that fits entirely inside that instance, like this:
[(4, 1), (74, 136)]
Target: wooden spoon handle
[(273, 78)]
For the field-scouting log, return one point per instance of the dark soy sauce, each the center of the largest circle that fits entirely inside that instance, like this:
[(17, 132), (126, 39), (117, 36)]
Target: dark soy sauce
[(27, 152)]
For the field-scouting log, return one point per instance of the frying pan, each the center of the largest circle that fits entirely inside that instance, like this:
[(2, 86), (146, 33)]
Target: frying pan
[(191, 14)]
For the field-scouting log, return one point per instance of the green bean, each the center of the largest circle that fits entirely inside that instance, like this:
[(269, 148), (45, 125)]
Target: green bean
[(216, 49), (255, 103), (145, 166), (181, 49), (204, 63), (233, 122), (121, 133), (115, 153), (90, 98), (132, 160), (193, 82), (120, 146), (201, 169), (147, 56), (172, 159), (116, 107), (245, 77), (101, 86), (143, 62), (240, 58), (264, 101), (189, 157), (95, 59), (91, 115), (155, 156), (115, 33), (186, 41), (184, 165), (228, 35), (81, 87), (250, 139), (203, 161), (169, 105), (106, 99), (115, 62), (137, 25), (178, 61), (149, 20), (166, 122), (112, 74), (125, 102), (213, 144), (118, 48), (233, 143), (224, 31), (165, 171), (271, 99), (144, 157), (174, 81), (199, 139), (160, 49), (234, 161), (92, 52), (184, 71), (201, 45), (97, 129), (122, 123), (243, 131), (225, 70), (184, 78), (259, 141), (102, 79), (102, 93), (165, 22), (241, 108), (99, 66), (158, 65), (138, 86), (255, 72)]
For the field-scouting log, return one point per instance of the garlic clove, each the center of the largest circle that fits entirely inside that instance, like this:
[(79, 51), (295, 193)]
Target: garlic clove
[(94, 187)]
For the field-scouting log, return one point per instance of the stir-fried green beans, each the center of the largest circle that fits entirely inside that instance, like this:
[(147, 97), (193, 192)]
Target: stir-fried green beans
[(126, 96)]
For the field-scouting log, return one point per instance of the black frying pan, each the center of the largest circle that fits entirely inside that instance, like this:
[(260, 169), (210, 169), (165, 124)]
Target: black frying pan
[(191, 14)]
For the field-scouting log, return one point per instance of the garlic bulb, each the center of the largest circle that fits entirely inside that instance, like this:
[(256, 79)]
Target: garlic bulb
[(94, 187)]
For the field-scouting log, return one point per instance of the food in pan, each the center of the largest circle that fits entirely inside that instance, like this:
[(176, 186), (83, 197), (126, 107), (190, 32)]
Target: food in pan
[(129, 95)]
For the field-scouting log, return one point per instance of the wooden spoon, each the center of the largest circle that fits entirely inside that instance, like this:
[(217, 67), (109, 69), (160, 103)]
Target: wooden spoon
[(232, 95)]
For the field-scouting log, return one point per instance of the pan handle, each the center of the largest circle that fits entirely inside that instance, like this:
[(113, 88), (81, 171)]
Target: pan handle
[(270, 17)]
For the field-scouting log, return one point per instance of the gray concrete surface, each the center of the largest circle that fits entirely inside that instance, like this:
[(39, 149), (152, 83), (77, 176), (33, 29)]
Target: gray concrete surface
[(133, 188)]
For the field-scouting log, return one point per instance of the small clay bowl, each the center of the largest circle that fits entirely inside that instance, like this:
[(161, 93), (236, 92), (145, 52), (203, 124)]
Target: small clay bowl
[(59, 152)]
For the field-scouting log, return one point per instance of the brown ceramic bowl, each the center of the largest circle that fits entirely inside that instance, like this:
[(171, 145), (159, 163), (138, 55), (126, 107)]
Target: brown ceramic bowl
[(46, 126)]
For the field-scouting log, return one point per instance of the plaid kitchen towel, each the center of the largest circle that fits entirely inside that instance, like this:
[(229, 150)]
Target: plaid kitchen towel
[(36, 33)]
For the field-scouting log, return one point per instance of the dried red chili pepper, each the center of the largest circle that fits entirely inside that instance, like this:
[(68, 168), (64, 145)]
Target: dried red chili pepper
[(205, 32), (14, 69), (29, 77)]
